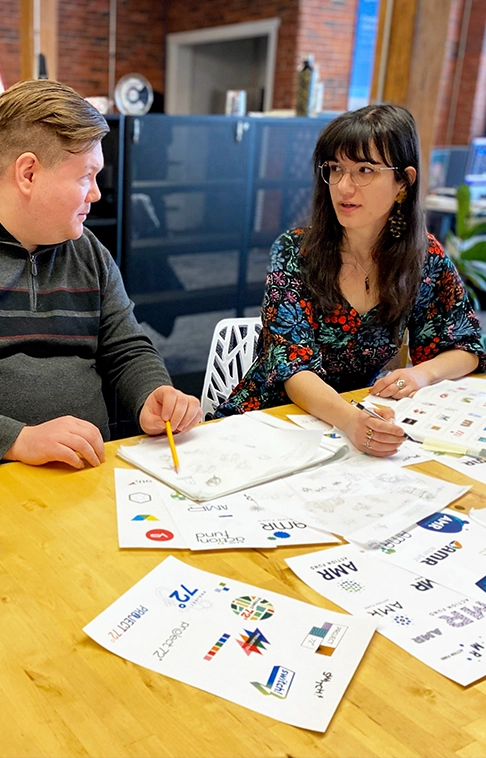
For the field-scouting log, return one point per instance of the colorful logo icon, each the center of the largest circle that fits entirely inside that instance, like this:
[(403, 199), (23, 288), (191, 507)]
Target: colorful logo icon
[(144, 517), (253, 642), (443, 522), (481, 583), (159, 535), (325, 639), (252, 608), (177, 496), (278, 684), (280, 536), (216, 647)]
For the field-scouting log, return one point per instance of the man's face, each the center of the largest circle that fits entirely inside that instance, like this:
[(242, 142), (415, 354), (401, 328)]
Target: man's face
[(61, 198)]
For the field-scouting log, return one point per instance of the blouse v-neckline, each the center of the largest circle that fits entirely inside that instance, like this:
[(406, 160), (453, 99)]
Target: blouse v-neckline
[(361, 315)]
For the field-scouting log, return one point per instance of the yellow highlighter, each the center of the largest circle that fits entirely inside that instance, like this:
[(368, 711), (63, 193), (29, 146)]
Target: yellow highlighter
[(172, 446)]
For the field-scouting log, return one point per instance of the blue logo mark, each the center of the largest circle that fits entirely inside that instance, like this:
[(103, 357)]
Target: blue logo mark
[(443, 522)]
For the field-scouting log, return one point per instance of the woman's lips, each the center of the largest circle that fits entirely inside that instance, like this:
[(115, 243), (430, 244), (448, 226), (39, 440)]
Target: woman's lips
[(348, 207)]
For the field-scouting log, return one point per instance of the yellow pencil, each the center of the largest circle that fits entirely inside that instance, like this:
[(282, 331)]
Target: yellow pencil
[(172, 446)]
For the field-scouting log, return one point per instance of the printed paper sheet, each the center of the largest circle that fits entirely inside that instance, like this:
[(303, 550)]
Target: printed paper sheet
[(150, 514), (233, 454), (443, 628), (289, 660), (350, 495), (447, 547)]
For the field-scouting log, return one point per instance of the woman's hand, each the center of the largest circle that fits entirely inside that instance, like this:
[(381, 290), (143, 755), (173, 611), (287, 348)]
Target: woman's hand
[(372, 436), (403, 382)]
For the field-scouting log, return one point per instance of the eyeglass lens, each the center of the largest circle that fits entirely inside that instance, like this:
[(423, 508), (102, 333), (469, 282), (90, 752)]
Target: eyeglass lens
[(360, 175)]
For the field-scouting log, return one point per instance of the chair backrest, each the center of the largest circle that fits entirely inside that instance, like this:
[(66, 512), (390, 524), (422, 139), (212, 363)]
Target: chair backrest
[(231, 354)]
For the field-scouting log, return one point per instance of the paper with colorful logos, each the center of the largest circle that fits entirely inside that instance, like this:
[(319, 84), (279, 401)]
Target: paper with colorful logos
[(224, 457), (448, 547), (442, 628), (150, 514), (281, 657), (449, 416), (349, 495), (239, 520), (141, 508)]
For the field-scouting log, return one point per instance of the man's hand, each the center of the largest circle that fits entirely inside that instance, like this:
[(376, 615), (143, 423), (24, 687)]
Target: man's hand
[(67, 439), (168, 404)]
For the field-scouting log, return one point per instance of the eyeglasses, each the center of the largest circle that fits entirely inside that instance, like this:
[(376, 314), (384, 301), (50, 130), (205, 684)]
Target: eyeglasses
[(361, 175)]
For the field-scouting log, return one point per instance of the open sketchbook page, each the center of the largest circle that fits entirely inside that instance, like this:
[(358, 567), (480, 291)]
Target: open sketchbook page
[(278, 656), (357, 494), (234, 453)]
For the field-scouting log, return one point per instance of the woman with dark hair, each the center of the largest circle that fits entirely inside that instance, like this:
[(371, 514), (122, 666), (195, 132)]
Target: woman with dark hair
[(340, 294)]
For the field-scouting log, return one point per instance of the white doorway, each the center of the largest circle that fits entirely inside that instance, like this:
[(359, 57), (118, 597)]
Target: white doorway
[(203, 64)]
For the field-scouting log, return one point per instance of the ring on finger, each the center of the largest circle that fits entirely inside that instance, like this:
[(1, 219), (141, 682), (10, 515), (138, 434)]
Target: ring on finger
[(368, 444), (400, 383), (369, 433)]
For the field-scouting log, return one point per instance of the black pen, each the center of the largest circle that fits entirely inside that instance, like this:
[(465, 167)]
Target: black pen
[(374, 414)]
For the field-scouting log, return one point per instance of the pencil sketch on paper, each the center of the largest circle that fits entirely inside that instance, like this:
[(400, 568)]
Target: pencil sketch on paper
[(235, 453)]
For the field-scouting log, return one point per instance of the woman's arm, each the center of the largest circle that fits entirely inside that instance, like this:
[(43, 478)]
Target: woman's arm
[(311, 393), (449, 365), (445, 335)]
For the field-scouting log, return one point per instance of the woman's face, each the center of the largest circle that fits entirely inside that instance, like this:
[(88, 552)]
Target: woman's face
[(365, 209)]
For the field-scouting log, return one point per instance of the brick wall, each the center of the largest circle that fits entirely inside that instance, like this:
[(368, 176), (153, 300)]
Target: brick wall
[(461, 112), (447, 74), (84, 43), (322, 27), (327, 30), (472, 99), (9, 41), (186, 15)]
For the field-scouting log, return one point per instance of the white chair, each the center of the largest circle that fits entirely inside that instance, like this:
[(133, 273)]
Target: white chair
[(231, 354)]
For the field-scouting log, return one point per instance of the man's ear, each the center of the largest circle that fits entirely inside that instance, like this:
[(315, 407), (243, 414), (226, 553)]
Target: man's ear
[(26, 167)]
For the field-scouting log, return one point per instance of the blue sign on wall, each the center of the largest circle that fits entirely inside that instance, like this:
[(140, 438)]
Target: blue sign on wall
[(363, 54)]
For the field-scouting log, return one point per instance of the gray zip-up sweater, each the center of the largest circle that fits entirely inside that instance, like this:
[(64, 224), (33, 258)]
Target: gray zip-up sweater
[(66, 323)]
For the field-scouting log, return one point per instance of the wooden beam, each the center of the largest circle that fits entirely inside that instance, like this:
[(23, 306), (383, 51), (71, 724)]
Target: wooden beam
[(26, 39), (411, 43), (38, 34)]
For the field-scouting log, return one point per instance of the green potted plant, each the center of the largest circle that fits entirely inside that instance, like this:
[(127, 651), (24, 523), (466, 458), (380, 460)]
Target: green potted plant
[(467, 247)]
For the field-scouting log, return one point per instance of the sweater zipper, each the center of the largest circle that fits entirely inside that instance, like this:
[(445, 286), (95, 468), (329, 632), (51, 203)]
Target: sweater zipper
[(32, 282)]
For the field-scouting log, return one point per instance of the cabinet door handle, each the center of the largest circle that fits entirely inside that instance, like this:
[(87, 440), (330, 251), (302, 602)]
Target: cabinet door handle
[(241, 128)]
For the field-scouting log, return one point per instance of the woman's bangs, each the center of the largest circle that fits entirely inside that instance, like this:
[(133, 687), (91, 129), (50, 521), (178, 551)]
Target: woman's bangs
[(354, 141)]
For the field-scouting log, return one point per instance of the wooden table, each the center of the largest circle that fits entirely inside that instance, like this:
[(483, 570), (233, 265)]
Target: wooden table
[(62, 695)]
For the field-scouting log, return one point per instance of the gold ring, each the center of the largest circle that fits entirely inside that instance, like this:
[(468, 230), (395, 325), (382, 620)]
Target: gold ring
[(368, 444), (369, 433)]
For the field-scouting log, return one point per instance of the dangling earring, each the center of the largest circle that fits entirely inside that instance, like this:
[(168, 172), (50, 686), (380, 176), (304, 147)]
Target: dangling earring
[(397, 222)]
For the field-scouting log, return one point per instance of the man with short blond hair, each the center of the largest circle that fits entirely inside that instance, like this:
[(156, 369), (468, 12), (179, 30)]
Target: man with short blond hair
[(66, 322)]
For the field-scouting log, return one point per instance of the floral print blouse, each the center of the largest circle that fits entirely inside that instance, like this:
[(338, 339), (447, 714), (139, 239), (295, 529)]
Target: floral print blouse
[(345, 349)]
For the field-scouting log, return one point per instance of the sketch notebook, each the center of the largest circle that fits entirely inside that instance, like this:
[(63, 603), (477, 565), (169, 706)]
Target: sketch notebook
[(232, 454), (449, 417)]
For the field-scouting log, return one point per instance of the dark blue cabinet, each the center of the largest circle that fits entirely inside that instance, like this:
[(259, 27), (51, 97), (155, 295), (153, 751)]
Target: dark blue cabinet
[(200, 200)]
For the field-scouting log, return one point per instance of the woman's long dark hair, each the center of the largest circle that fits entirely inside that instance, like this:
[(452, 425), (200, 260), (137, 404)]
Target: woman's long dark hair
[(392, 130)]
